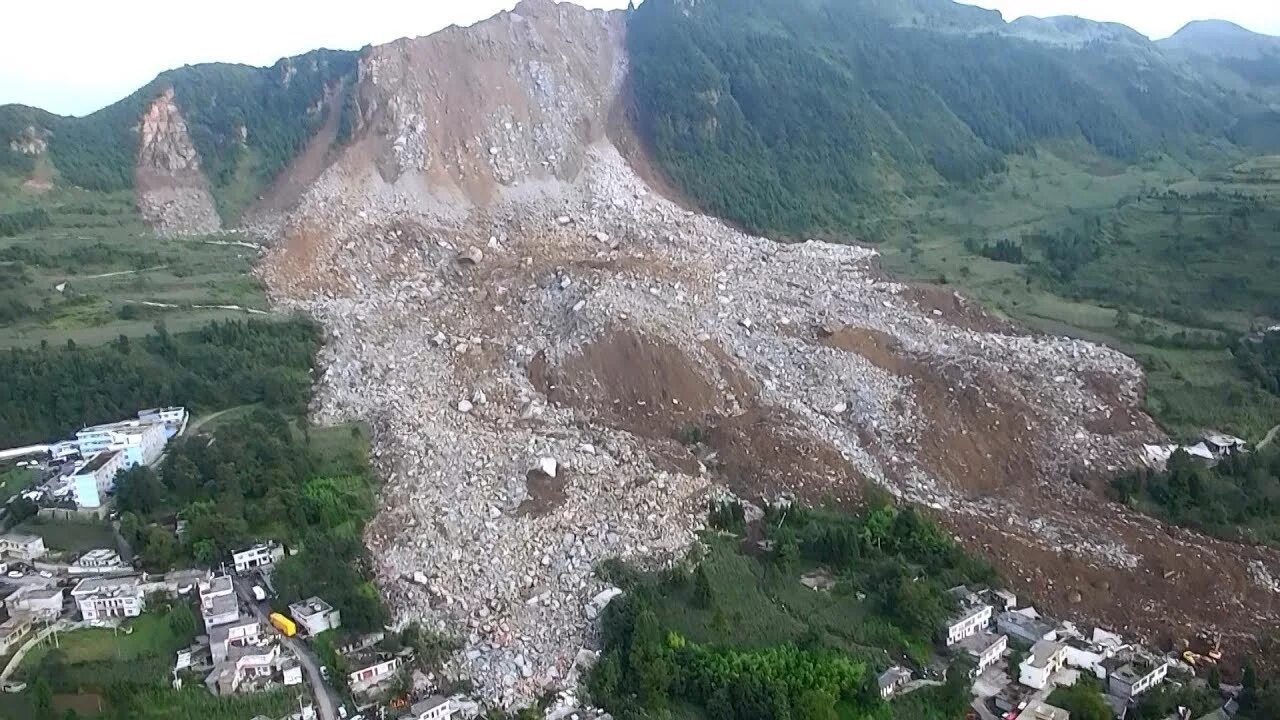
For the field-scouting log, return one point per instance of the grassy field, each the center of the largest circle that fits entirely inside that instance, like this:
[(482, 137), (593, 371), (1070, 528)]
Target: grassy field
[(89, 274), (71, 537), (1174, 279), (149, 635), (14, 481)]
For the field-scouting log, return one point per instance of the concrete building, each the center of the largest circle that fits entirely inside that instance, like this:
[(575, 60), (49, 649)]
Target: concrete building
[(139, 443), (1044, 711), (433, 708), (1004, 600), (291, 672), (243, 665), (1136, 677), (984, 649), (22, 548), (42, 603), (256, 557), (218, 605), (173, 419), (95, 477), (13, 631), (891, 680), (968, 623), (96, 560), (241, 632), (315, 616), (373, 669), (102, 598), (1046, 658), (1024, 627)]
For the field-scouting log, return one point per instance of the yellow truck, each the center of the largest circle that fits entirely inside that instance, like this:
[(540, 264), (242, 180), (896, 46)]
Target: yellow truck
[(283, 624)]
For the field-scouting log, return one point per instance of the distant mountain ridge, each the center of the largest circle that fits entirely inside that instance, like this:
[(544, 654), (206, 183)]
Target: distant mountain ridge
[(1223, 39)]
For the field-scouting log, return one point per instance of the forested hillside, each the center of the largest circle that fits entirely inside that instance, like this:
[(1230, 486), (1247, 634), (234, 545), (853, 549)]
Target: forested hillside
[(798, 118), (246, 122)]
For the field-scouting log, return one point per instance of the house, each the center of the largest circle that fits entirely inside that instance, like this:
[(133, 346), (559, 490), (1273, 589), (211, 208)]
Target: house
[(218, 605), (172, 419), (1024, 627), (257, 556), (182, 582), (984, 649), (101, 598), (242, 665), (373, 669), (1044, 711), (1046, 658), (433, 708), (315, 615), (291, 672), (967, 623), (1222, 445), (39, 602), (1086, 656), (1136, 677), (139, 443), (22, 548), (13, 631), (240, 632), (95, 477), (97, 560), (892, 679), (1004, 600)]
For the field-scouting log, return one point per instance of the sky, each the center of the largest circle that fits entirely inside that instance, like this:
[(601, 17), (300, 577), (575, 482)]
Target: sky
[(75, 56)]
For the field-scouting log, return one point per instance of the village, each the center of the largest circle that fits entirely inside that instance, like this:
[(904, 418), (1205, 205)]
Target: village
[(245, 643), (248, 643)]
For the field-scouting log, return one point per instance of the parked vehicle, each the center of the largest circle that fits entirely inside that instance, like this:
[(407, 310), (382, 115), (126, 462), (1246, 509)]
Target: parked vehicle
[(283, 624), (259, 594), (15, 574)]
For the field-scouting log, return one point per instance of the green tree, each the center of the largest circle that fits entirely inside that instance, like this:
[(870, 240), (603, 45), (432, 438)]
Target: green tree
[(42, 699), (182, 621)]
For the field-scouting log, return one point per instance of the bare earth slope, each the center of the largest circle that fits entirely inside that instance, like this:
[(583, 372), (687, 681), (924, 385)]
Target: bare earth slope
[(502, 289)]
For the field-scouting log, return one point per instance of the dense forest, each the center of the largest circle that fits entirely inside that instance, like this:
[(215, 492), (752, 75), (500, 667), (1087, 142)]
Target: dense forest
[(49, 392), (259, 478), (1238, 498), (742, 662), (796, 118)]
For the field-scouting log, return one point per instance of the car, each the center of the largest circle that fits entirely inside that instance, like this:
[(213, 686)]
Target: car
[(46, 574), (15, 574), (259, 594)]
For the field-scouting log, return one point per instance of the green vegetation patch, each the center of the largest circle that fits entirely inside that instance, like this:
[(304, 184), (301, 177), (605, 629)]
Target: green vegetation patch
[(70, 536)]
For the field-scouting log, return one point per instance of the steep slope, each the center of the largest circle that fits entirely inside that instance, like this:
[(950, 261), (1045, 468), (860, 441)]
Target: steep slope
[(198, 143), (1221, 39), (531, 330)]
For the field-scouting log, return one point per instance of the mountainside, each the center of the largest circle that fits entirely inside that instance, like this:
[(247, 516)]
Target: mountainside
[(562, 362)]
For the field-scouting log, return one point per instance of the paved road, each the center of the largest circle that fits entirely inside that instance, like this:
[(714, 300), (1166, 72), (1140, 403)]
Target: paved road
[(310, 664)]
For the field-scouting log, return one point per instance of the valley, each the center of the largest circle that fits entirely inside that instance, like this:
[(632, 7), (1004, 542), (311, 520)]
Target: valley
[(570, 278)]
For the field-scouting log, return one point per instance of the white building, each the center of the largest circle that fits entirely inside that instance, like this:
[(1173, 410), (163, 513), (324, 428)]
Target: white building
[(1046, 658), (892, 679), (241, 665), (22, 548), (218, 605), (433, 708), (101, 598), (140, 443), (43, 603), (984, 649), (95, 477), (96, 561), (372, 671), (173, 419), (315, 615), (13, 631), (968, 623), (241, 632), (1134, 678), (1024, 627), (1044, 711), (257, 556), (291, 673)]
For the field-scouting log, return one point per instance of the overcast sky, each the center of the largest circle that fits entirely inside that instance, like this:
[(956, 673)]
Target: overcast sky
[(75, 56)]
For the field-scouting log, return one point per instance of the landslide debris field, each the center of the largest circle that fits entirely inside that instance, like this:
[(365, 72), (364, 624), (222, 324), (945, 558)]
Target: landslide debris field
[(561, 365)]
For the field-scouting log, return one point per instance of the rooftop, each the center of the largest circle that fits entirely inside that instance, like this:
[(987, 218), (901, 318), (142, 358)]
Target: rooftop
[(431, 703), (893, 676), (218, 584), (105, 585), (220, 605), (968, 613), (979, 643), (1044, 711), (1042, 652), (99, 555), (16, 624), (1133, 671), (19, 539), (123, 426), (97, 462), (311, 606), (1026, 622)]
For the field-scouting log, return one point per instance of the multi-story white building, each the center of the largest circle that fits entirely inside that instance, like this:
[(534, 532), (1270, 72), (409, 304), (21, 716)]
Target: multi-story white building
[(257, 556), (1046, 658), (372, 670), (174, 419), (1023, 627), (1134, 678), (968, 623), (95, 477), (243, 664), (140, 443), (218, 604), (433, 708), (315, 615), (13, 631), (43, 603), (984, 649), (22, 548), (241, 632), (102, 598)]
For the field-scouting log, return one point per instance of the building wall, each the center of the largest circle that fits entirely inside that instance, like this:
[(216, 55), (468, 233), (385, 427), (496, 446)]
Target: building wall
[(968, 626)]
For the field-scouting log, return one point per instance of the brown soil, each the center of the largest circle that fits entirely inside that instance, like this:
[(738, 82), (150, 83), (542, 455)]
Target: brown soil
[(957, 309), (1121, 415), (305, 169), (546, 493)]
